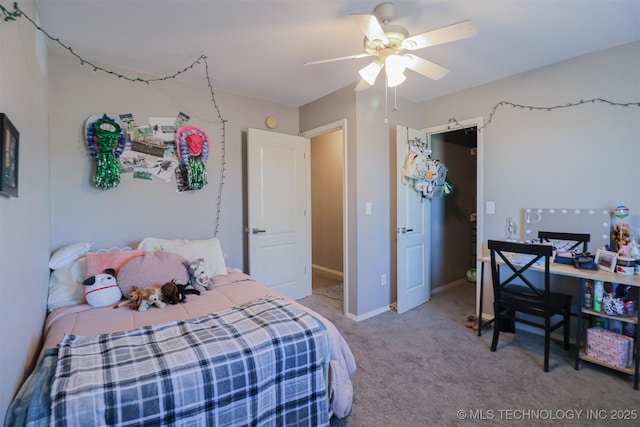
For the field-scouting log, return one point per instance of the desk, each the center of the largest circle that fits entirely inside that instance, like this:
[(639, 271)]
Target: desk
[(582, 275)]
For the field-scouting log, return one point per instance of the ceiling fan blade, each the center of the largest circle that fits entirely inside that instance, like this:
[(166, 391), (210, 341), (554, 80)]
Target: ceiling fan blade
[(362, 85), (453, 32), (371, 28), (426, 68), (323, 61)]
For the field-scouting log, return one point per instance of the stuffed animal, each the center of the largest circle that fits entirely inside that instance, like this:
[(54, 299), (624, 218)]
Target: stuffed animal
[(174, 292), (102, 290), (183, 290), (131, 299), (170, 293), (200, 277), (144, 298)]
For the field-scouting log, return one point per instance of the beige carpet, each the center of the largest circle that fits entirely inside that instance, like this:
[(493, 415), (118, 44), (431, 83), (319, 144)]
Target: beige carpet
[(425, 368)]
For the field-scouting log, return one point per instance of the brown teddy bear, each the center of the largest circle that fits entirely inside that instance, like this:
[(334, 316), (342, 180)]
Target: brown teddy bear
[(173, 292), (170, 293)]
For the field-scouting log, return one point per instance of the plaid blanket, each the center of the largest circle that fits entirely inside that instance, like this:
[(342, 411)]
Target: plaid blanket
[(261, 364), (32, 405)]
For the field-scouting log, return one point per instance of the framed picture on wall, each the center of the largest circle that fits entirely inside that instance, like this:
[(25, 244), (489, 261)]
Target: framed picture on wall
[(9, 145), (606, 260)]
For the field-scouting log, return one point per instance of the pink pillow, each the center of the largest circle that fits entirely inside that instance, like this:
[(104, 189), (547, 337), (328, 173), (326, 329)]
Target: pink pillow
[(152, 269), (97, 262)]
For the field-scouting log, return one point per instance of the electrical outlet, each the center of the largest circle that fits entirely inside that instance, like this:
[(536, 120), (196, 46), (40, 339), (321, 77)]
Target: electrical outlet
[(368, 208), (383, 279)]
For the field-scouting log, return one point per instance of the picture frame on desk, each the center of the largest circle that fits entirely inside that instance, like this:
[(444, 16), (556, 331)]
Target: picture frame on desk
[(9, 145), (606, 260)]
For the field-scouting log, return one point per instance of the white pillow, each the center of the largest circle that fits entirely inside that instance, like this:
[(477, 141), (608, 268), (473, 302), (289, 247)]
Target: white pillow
[(150, 244), (65, 285), (68, 253), (191, 250)]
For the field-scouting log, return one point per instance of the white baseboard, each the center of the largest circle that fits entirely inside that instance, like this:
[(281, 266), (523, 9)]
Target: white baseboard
[(369, 314), (450, 285), (327, 272), (387, 308)]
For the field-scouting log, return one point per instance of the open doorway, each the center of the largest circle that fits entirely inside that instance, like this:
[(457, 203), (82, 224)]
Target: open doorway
[(454, 218), (334, 133), (328, 206)]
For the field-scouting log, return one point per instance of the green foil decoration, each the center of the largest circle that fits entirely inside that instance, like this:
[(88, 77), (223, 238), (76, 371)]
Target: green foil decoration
[(107, 167), (196, 174)]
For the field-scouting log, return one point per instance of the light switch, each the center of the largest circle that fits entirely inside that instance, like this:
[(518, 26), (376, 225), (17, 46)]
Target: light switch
[(367, 208), (491, 208)]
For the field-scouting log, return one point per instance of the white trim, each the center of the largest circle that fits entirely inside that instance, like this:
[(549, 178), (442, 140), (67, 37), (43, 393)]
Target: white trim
[(328, 271), (321, 130), (449, 285), (369, 314)]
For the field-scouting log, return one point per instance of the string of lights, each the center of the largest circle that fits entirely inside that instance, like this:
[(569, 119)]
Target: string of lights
[(18, 13), (555, 107), (223, 151), (11, 16)]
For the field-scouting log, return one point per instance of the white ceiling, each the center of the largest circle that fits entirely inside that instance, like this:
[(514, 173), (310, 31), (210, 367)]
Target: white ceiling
[(258, 47)]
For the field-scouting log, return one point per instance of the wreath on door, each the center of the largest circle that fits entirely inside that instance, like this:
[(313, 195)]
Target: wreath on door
[(424, 174)]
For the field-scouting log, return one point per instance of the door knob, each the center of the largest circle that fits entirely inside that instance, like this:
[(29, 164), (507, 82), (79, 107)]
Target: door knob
[(403, 230), (257, 230)]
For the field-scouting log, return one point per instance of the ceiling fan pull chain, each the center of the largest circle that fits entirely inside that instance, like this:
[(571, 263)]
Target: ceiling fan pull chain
[(395, 99), (386, 95)]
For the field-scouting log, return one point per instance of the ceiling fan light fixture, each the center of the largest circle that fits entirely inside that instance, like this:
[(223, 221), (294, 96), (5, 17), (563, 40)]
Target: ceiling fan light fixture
[(394, 80), (387, 42), (395, 66), (370, 73)]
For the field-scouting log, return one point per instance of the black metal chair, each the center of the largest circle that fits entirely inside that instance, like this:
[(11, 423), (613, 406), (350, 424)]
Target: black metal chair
[(518, 294), (577, 238)]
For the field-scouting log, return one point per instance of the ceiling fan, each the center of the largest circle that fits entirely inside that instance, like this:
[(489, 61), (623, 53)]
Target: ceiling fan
[(388, 43)]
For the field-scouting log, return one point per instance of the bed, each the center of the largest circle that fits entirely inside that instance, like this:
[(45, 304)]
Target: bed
[(238, 354)]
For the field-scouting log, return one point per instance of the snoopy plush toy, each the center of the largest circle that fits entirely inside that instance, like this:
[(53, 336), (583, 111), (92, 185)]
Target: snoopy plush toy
[(102, 290)]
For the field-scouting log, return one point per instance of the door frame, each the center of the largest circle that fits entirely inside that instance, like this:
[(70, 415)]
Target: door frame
[(321, 130), (477, 122)]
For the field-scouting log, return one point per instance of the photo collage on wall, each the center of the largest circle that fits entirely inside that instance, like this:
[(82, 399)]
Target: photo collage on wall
[(150, 151), (164, 148)]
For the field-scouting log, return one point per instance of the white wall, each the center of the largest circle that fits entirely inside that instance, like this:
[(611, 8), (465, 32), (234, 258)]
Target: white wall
[(586, 156), (580, 157), (139, 208), (375, 155), (336, 106), (24, 221), (370, 145)]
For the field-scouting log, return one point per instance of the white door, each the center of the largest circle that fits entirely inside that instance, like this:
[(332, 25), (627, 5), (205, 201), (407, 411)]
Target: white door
[(278, 212), (413, 232)]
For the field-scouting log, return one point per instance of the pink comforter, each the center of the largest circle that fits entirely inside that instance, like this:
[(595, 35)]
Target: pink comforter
[(231, 290)]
